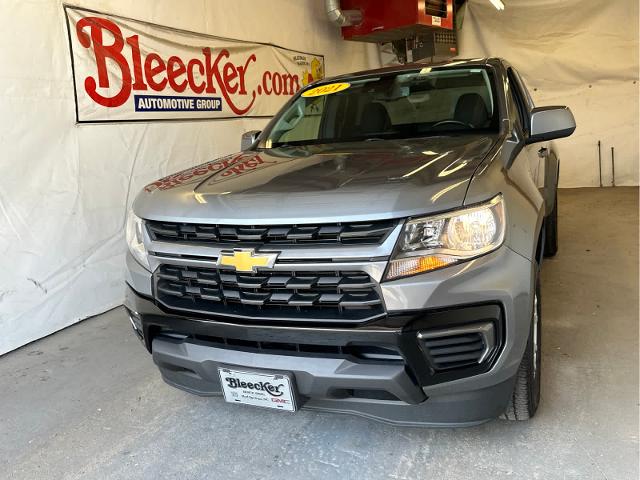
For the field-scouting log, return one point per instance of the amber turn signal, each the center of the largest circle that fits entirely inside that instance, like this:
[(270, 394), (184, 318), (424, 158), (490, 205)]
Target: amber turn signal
[(413, 265)]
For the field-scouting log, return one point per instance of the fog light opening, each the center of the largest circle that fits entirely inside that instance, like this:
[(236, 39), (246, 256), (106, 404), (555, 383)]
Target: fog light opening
[(458, 347)]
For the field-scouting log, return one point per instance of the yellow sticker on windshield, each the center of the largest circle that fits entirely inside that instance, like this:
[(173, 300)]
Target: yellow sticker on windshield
[(326, 89)]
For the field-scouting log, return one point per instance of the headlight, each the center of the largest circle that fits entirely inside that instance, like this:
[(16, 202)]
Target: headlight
[(431, 243), (135, 238)]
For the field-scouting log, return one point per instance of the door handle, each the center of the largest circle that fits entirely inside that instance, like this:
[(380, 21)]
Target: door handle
[(543, 152)]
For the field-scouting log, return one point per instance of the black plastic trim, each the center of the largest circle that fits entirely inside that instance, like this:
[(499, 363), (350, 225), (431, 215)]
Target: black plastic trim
[(398, 331), (543, 137)]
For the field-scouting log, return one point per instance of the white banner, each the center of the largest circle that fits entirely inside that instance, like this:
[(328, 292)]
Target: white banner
[(129, 70), (567, 61)]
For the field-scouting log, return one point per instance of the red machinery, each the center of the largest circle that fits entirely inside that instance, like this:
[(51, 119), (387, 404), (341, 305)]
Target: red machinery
[(390, 20)]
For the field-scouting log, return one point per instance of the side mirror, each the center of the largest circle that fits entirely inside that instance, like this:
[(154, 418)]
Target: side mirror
[(548, 123), (248, 139)]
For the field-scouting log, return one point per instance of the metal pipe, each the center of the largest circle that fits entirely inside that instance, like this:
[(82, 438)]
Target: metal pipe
[(600, 163), (343, 18), (613, 169)]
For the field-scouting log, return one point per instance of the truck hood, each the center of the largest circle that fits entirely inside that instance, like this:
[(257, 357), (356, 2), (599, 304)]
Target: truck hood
[(321, 183)]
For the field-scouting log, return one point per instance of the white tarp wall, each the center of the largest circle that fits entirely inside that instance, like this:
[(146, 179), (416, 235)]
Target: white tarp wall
[(580, 53), (64, 188)]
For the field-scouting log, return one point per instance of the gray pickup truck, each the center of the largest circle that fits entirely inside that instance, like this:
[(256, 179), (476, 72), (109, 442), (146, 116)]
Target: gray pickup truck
[(375, 250)]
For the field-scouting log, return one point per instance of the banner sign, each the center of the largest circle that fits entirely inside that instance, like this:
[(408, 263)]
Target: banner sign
[(129, 70)]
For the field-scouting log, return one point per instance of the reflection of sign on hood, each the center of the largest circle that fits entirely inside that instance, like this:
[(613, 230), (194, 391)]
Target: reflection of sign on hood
[(233, 165), (227, 169), (130, 70)]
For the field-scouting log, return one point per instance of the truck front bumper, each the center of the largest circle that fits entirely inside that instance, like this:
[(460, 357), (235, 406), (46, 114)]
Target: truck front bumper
[(325, 361)]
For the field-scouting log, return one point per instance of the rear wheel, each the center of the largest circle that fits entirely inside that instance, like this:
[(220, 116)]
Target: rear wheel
[(526, 392)]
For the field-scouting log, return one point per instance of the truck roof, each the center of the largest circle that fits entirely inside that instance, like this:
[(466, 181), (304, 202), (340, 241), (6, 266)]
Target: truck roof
[(464, 62)]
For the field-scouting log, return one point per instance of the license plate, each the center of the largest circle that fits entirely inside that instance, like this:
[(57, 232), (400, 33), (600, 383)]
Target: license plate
[(258, 389)]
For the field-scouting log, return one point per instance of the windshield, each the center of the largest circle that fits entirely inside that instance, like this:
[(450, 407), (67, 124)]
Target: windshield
[(396, 105)]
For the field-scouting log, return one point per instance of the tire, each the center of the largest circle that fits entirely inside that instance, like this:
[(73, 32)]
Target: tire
[(551, 231), (526, 391)]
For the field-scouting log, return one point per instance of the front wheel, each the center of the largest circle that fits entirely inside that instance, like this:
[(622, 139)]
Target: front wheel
[(526, 392)]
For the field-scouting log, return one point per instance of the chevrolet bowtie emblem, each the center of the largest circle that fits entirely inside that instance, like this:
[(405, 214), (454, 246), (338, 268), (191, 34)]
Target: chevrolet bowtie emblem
[(246, 260)]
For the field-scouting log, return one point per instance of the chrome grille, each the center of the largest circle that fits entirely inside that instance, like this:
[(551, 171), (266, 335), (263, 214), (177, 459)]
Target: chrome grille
[(289, 295), (362, 233)]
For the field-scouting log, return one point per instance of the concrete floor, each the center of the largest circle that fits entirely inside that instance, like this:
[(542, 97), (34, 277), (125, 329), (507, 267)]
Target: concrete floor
[(87, 402)]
